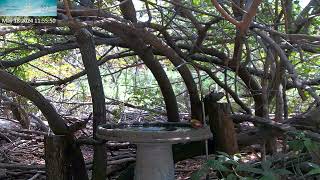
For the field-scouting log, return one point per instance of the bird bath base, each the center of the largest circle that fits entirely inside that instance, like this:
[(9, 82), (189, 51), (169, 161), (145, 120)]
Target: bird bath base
[(154, 159)]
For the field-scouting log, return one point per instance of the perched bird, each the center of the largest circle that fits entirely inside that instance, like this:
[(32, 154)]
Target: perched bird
[(196, 123)]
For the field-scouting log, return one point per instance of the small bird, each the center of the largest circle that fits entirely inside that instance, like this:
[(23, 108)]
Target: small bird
[(196, 123)]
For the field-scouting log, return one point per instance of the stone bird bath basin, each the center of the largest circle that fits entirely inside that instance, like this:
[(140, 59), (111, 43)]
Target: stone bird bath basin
[(154, 141)]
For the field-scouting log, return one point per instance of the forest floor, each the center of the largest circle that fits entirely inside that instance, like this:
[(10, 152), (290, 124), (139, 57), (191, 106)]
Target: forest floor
[(22, 154)]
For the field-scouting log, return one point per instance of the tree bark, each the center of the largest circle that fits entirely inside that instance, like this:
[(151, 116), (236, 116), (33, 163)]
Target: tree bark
[(128, 11), (145, 53), (57, 162), (88, 53), (56, 123), (222, 127)]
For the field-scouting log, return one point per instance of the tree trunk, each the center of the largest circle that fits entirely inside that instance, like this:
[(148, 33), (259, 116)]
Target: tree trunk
[(160, 75), (88, 53), (146, 55), (56, 123), (57, 162), (222, 127)]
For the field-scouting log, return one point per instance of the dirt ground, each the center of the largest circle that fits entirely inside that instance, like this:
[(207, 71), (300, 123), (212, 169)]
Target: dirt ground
[(22, 155)]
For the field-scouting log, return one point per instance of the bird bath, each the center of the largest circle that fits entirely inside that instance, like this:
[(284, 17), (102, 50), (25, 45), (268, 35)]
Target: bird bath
[(154, 141)]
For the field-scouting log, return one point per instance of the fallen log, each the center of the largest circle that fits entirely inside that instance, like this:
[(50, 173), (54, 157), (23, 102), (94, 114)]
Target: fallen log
[(21, 166), (112, 169), (275, 126), (114, 162)]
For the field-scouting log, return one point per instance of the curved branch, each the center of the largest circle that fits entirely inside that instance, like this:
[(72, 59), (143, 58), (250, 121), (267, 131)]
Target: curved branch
[(8, 30), (88, 54), (11, 83), (243, 72), (247, 18), (290, 68), (225, 87), (224, 13), (164, 49), (56, 123), (177, 61), (133, 40), (80, 74), (54, 49)]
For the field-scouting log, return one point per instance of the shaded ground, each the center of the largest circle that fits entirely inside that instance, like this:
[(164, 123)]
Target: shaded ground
[(22, 154)]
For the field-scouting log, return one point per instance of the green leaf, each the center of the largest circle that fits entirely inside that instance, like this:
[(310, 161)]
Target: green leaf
[(233, 162), (296, 145), (266, 165), (196, 2), (314, 171), (282, 172), (208, 2), (223, 156), (231, 177), (248, 168), (217, 165), (267, 175), (313, 165), (223, 153), (200, 173), (246, 178), (311, 145)]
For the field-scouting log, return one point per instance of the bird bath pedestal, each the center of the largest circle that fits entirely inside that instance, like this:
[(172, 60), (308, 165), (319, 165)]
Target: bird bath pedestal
[(154, 141)]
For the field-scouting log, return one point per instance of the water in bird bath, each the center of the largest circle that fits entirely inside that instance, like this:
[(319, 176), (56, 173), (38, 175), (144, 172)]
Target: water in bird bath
[(151, 128)]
